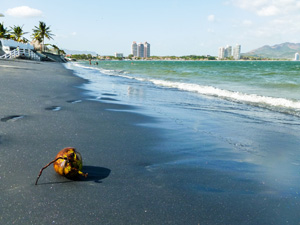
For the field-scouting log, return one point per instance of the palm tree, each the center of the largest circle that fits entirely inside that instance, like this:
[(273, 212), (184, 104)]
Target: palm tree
[(4, 32), (41, 32), (17, 33)]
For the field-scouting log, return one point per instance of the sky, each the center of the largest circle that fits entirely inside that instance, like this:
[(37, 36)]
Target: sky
[(172, 27)]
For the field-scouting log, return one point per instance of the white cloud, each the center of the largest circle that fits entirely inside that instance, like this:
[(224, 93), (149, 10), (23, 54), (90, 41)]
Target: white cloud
[(269, 7), (276, 19), (211, 18), (24, 12), (74, 33), (269, 11)]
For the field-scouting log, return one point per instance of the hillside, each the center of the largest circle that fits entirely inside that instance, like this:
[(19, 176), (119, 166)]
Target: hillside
[(284, 50)]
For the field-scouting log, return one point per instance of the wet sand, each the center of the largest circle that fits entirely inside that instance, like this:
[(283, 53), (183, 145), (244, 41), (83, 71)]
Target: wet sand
[(43, 109)]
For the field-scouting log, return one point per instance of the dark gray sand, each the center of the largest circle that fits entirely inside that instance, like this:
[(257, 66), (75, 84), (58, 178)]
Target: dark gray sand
[(43, 111)]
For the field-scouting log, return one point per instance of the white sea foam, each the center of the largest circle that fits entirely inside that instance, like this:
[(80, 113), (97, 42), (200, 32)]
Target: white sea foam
[(231, 95), (278, 104)]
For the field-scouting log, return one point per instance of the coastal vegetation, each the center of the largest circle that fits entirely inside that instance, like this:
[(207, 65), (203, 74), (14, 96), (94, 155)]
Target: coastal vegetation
[(17, 34), (4, 32), (40, 33), (82, 56), (131, 57)]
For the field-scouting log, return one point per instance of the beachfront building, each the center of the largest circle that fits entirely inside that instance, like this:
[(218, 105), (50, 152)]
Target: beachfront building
[(228, 51), (146, 50), (221, 53), (134, 49), (237, 52), (140, 50), (6, 46), (296, 57), (119, 55)]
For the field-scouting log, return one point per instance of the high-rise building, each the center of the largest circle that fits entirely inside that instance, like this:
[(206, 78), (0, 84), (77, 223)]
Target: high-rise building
[(134, 49), (146, 50), (237, 52), (297, 56), (221, 53), (228, 51), (140, 50)]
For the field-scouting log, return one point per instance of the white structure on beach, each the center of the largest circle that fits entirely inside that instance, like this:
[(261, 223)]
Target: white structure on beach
[(296, 57), (140, 50), (10, 49), (237, 52), (134, 49), (6, 46)]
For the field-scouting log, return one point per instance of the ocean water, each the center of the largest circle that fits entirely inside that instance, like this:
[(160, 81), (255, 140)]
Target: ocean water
[(237, 120)]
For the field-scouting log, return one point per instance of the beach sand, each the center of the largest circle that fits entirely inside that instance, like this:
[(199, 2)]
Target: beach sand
[(40, 115), (43, 109)]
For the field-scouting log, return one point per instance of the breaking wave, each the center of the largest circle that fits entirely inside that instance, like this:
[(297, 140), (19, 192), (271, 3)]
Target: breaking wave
[(284, 105)]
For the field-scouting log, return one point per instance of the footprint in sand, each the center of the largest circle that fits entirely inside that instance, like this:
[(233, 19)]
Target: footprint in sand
[(53, 108), (74, 101), (11, 118)]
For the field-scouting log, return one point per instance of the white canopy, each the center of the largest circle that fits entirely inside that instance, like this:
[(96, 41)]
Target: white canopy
[(15, 44)]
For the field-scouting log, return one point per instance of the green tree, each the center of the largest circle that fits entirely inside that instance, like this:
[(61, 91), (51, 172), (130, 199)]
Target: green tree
[(4, 32), (17, 33), (41, 32), (130, 56)]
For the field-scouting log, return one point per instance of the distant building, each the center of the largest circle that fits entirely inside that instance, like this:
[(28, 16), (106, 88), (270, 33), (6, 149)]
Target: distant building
[(146, 50), (134, 49), (228, 51), (237, 52), (221, 53), (140, 50), (297, 56), (119, 55)]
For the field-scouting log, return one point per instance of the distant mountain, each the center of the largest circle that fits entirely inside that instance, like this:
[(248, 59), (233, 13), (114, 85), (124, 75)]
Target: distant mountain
[(284, 50), (75, 52)]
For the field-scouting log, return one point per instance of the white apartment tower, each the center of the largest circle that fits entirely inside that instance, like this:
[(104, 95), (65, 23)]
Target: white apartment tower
[(228, 51), (146, 50), (237, 52), (221, 53), (134, 49), (296, 57), (140, 50)]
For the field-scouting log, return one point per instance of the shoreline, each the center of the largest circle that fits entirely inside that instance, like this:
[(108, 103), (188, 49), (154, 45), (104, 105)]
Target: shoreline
[(53, 112), (135, 174)]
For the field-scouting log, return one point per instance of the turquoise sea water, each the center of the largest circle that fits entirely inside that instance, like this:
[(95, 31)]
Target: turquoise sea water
[(272, 85), (236, 120)]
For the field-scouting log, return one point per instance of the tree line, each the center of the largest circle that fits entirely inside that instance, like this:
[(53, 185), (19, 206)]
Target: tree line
[(16, 33)]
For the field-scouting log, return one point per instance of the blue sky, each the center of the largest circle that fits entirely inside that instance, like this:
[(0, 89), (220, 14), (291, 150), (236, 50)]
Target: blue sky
[(172, 27)]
